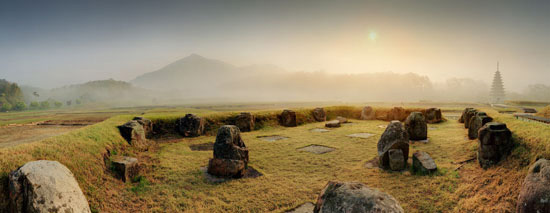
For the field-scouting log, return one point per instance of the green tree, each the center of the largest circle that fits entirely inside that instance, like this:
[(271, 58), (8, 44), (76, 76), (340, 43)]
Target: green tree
[(5, 107), (34, 105), (44, 105), (20, 106), (57, 104)]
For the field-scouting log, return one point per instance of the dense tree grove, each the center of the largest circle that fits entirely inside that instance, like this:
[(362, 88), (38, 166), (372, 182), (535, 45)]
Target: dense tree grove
[(11, 97)]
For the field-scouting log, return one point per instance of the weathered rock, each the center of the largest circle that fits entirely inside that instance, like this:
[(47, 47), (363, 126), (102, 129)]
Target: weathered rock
[(245, 122), (191, 126), (397, 161), (433, 115), (535, 191), (354, 197), (125, 168), (45, 186), (394, 137), (461, 120), (146, 123), (423, 164), (288, 118), (476, 122), (319, 114), (342, 119), (416, 126), (397, 113), (368, 113), (230, 154), (333, 124), (469, 114), (134, 133), (529, 110), (495, 142)]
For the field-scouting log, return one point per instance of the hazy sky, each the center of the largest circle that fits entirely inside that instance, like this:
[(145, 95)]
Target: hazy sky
[(53, 43)]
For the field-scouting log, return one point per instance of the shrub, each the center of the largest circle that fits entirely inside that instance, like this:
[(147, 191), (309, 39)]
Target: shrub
[(34, 105), (20, 106), (6, 107), (57, 104), (44, 105)]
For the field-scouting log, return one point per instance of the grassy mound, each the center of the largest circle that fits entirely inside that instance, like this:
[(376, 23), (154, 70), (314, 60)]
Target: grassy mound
[(544, 112)]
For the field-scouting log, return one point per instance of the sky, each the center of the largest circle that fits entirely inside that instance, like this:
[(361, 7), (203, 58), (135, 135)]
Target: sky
[(55, 43)]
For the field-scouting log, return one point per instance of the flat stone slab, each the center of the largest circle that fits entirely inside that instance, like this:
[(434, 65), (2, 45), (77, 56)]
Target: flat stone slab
[(304, 208), (420, 141), (271, 138), (250, 173), (202, 147), (361, 135), (317, 149), (319, 130)]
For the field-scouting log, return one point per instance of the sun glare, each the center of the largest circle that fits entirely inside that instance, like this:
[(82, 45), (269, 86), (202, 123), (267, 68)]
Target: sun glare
[(373, 36)]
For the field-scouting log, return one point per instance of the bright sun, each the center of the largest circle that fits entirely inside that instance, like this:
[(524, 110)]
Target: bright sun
[(373, 36)]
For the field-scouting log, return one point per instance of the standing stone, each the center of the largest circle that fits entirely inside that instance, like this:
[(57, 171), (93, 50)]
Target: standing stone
[(134, 133), (125, 168), (397, 161), (354, 197), (433, 115), (535, 192), (394, 137), (416, 126), (245, 122), (288, 118), (146, 123), (461, 120), (476, 122), (333, 124), (319, 114), (469, 116), (191, 126), (423, 164), (397, 113), (495, 142), (368, 113), (45, 186), (230, 154)]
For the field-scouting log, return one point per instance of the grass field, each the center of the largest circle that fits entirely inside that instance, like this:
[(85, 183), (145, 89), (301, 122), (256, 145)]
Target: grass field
[(172, 180)]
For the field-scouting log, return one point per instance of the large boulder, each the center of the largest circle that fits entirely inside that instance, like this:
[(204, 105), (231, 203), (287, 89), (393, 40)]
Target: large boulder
[(468, 116), (534, 195), (332, 124), (245, 122), (230, 154), (125, 168), (191, 125), (461, 119), (394, 137), (433, 115), (288, 118), (416, 126), (368, 113), (476, 122), (319, 114), (354, 197), (495, 142), (45, 186), (146, 123), (397, 113), (423, 164), (134, 133)]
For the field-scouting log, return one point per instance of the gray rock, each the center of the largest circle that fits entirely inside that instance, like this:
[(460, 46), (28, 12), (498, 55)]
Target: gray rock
[(45, 186), (423, 164), (433, 115), (134, 133), (461, 119), (397, 161), (146, 124), (354, 197), (342, 119), (125, 168), (476, 122), (245, 122), (191, 126), (332, 124), (495, 142), (230, 154), (368, 113), (319, 114), (469, 114), (529, 110), (534, 195), (394, 137), (416, 126), (288, 118)]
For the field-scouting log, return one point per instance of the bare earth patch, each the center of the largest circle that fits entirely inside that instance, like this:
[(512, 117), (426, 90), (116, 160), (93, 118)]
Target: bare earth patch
[(361, 135), (319, 130), (317, 149), (271, 138)]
